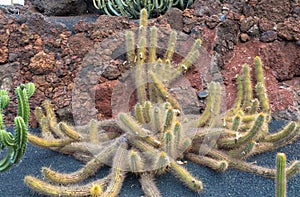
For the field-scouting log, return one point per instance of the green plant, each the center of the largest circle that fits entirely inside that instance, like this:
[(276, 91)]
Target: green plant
[(16, 145), (155, 135), (280, 175), (132, 8)]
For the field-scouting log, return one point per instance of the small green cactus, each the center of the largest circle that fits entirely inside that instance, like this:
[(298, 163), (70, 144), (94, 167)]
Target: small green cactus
[(16, 144)]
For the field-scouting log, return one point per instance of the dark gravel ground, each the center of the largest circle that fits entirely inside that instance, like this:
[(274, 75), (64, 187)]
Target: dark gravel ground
[(230, 183)]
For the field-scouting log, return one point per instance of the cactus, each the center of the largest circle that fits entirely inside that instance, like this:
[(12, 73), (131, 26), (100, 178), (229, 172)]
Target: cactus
[(280, 179), (16, 144), (132, 8), (151, 139)]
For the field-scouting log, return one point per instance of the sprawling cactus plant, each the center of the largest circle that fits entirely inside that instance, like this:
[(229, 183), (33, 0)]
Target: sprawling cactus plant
[(156, 135), (16, 145), (132, 8)]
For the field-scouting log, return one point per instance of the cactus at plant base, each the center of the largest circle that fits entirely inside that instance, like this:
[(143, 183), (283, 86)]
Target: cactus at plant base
[(132, 8), (16, 145), (280, 180), (151, 139)]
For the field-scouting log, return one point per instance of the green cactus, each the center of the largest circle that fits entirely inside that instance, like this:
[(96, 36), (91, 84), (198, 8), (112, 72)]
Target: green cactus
[(151, 139), (132, 8), (280, 179), (16, 144)]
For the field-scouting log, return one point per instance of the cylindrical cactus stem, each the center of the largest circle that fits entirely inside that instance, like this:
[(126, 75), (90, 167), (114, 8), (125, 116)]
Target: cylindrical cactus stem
[(139, 113), (161, 163), (117, 173), (93, 132), (171, 45), (48, 142), (69, 131), (254, 107), (261, 86), (131, 126), (242, 151), (140, 73), (49, 110), (215, 112), (280, 180), (188, 61), (293, 168), (236, 122), (130, 48), (88, 170), (166, 71), (148, 185), (170, 144), (153, 45), (217, 165), (203, 119), (156, 120), (147, 111), (287, 130), (185, 177), (143, 17), (248, 95), (239, 140), (239, 97), (169, 119), (164, 94), (48, 189), (135, 161)]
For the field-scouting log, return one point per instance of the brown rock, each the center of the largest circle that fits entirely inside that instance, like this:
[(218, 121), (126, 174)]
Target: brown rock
[(289, 29), (244, 37), (273, 10), (42, 63)]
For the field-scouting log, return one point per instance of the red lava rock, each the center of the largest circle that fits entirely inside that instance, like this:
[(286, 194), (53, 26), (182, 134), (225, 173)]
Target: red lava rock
[(42, 63), (289, 29)]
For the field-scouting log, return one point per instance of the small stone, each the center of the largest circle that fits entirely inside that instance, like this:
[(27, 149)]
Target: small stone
[(268, 36), (298, 43), (244, 37), (203, 94)]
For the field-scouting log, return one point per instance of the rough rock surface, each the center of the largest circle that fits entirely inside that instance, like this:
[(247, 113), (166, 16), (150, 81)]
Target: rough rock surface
[(60, 7), (61, 55)]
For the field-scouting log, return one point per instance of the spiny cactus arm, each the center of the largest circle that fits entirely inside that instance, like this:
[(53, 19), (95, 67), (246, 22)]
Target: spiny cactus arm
[(135, 161), (238, 164), (214, 164), (280, 180), (148, 185), (215, 119), (188, 61), (161, 162), (261, 85), (130, 48), (46, 188), (171, 45), (185, 177), (170, 146), (153, 44), (16, 145), (248, 95), (20, 140), (48, 142), (287, 130), (23, 104), (242, 151), (88, 170), (140, 67), (4, 101), (117, 172), (238, 141), (164, 94), (69, 131), (239, 97), (139, 113)]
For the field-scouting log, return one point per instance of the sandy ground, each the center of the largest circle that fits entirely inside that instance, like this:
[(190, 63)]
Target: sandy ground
[(230, 183)]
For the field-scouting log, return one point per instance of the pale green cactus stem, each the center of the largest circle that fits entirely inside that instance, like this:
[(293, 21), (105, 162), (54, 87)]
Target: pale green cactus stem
[(280, 180), (247, 88)]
